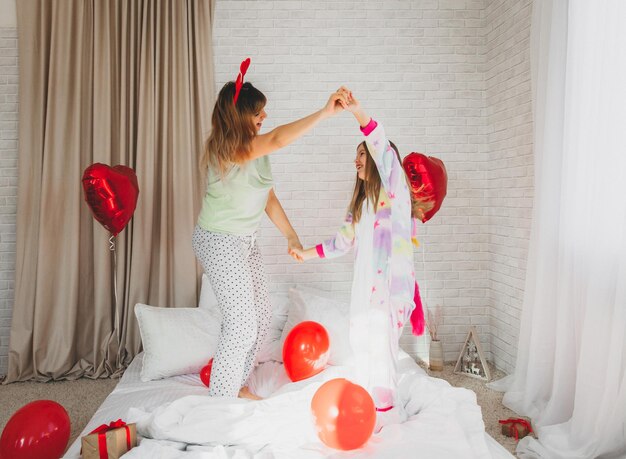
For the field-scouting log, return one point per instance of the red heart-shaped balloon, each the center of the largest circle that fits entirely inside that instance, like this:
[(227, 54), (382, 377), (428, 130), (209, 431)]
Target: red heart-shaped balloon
[(111, 193), (429, 181)]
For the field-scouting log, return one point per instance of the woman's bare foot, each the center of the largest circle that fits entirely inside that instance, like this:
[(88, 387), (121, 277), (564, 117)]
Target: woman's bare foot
[(245, 393)]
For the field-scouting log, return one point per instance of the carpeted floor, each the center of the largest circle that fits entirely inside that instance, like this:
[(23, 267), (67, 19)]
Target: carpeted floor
[(82, 397), (489, 400)]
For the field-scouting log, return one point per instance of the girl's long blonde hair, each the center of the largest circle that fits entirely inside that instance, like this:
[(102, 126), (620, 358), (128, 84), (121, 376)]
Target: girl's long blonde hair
[(232, 128), (370, 189)]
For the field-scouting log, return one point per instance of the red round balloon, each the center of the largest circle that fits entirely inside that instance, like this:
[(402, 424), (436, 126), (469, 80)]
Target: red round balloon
[(429, 181), (344, 414), (306, 350), (40, 429), (111, 193), (205, 373)]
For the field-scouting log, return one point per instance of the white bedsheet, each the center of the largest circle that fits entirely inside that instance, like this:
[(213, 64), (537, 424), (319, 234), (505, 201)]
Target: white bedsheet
[(444, 422)]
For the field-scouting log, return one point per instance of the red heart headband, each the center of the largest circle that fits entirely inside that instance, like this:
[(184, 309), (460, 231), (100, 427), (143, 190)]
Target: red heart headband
[(243, 68)]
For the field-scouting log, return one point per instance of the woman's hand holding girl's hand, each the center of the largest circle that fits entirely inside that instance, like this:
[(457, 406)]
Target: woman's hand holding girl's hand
[(354, 107), (304, 255), (353, 104), (294, 248), (297, 254), (336, 102)]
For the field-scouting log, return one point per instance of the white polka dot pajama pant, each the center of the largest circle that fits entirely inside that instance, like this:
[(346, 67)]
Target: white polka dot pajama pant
[(237, 275)]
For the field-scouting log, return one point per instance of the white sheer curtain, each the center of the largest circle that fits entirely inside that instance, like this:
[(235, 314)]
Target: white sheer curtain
[(570, 375)]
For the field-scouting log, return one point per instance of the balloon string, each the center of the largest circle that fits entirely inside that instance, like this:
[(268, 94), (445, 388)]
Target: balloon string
[(117, 313)]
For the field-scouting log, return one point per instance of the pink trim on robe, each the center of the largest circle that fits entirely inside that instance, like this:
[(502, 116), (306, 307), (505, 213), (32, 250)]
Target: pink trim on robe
[(382, 410), (367, 130), (417, 315), (320, 250)]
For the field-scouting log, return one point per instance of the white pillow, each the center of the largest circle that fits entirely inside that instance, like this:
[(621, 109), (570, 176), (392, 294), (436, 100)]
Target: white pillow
[(309, 304), (271, 348), (176, 341)]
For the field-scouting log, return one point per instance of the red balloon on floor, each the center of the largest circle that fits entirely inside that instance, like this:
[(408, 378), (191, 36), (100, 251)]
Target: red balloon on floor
[(305, 352), (344, 414), (205, 373), (40, 429)]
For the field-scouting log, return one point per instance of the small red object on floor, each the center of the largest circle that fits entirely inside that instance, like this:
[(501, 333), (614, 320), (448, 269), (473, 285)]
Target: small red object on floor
[(516, 427)]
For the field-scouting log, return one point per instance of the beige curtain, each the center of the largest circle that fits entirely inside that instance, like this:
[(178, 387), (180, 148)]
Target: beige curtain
[(119, 82)]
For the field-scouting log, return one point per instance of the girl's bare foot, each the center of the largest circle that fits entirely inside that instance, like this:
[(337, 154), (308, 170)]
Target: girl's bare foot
[(245, 393)]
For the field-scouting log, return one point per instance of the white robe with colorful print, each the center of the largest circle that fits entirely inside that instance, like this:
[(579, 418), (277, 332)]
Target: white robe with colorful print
[(384, 279)]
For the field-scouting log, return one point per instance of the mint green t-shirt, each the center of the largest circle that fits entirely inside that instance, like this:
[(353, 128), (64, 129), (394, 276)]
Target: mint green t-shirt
[(235, 203)]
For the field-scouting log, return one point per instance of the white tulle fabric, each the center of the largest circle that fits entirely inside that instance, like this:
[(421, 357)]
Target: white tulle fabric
[(570, 376)]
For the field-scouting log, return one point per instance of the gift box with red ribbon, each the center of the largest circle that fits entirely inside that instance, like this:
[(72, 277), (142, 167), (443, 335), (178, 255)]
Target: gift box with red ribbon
[(516, 427), (109, 441)]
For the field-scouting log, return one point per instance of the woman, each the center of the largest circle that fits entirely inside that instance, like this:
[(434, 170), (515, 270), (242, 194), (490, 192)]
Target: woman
[(239, 190)]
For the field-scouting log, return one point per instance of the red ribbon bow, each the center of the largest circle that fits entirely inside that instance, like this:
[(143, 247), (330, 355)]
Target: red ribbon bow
[(243, 68), (513, 422), (102, 437)]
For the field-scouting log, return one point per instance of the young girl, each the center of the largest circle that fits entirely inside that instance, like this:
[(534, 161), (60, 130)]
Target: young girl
[(239, 189), (379, 226)]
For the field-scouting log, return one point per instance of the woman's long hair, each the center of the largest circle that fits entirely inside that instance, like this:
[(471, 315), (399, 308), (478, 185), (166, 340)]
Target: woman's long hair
[(232, 127), (370, 189)]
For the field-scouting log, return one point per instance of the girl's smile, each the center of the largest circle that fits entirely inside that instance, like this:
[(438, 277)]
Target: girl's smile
[(360, 161)]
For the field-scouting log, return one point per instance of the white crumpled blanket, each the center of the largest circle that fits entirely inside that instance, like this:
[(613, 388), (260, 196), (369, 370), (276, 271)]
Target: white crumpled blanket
[(443, 422)]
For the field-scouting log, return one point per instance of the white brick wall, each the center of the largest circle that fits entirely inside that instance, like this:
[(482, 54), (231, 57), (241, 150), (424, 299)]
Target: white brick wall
[(510, 169), (446, 77), (8, 183)]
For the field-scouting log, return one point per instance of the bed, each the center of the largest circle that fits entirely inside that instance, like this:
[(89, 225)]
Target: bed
[(443, 421)]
